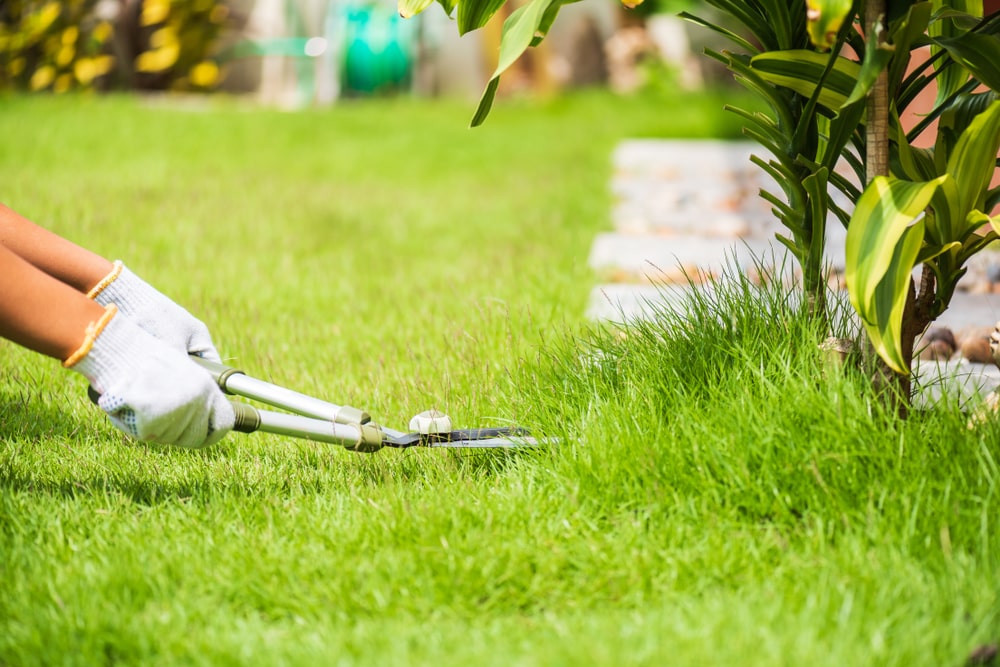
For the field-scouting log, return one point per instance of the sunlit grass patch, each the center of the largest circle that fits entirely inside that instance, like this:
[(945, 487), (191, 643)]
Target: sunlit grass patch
[(718, 494)]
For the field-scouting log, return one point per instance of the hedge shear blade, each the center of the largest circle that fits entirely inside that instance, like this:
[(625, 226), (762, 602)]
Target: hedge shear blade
[(315, 419)]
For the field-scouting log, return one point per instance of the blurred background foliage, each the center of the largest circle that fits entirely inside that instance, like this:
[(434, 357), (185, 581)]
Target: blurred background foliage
[(109, 44)]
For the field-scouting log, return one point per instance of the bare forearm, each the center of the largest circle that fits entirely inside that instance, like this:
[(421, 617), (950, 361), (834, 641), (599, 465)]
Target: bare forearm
[(49, 252), (40, 311)]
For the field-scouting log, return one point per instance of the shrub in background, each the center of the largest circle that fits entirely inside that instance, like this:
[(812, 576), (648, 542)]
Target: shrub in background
[(171, 42), (57, 46), (103, 44)]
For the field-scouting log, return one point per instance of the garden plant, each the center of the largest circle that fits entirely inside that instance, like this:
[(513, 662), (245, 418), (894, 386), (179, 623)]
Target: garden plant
[(837, 77), (85, 44)]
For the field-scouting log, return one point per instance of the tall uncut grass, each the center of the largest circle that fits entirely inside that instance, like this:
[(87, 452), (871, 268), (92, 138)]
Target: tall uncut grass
[(718, 495)]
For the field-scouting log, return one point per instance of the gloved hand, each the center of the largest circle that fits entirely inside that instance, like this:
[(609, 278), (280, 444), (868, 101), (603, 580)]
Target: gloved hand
[(154, 312), (150, 390)]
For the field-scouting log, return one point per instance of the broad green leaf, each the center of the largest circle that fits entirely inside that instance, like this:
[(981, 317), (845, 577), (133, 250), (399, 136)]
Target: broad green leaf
[(916, 164), (448, 6), (904, 33), (976, 243), (474, 14), (950, 78), (518, 32), (486, 102), (995, 223), (877, 57), (927, 253), (752, 81), (801, 70), (954, 119), (977, 219), (945, 224), (729, 34), (978, 53), (889, 299), (548, 18), (973, 161), (886, 209), (815, 186), (771, 22), (410, 8)]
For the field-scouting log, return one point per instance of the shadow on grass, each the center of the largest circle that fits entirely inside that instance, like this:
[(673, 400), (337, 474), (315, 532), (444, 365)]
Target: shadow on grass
[(49, 450)]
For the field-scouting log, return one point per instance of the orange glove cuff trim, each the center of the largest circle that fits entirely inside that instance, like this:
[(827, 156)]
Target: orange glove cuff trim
[(106, 280), (94, 330)]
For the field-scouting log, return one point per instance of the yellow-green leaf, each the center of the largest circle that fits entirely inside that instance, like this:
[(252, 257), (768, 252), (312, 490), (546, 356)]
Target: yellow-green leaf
[(979, 53), (474, 14), (518, 33), (995, 223), (410, 8), (801, 70), (973, 160), (883, 242), (824, 19)]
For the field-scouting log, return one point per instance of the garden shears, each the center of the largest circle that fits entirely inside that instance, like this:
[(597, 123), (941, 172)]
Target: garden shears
[(315, 419)]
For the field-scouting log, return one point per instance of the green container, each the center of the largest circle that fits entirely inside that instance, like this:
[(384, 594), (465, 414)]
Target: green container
[(378, 50)]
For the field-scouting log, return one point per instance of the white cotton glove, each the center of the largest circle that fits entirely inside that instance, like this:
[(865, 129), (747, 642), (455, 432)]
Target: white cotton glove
[(150, 390), (154, 312)]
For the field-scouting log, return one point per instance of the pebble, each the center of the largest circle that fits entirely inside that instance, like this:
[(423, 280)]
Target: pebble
[(938, 344), (975, 345)]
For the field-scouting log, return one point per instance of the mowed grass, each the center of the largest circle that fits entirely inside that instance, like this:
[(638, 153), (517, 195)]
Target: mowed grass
[(718, 495)]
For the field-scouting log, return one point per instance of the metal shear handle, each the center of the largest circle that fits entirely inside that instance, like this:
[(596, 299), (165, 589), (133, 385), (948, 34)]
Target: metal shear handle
[(320, 420), (314, 419)]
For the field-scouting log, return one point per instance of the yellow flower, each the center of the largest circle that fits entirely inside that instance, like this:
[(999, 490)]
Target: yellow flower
[(42, 77), (158, 60), (205, 74), (46, 17), (102, 31), (154, 11), (16, 66), (631, 4), (64, 56), (163, 37), (63, 83), (70, 34), (88, 69)]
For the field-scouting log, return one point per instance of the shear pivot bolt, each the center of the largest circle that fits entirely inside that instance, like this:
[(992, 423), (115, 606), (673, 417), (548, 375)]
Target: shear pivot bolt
[(431, 422)]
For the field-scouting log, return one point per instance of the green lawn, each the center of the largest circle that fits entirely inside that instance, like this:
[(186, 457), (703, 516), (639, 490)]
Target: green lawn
[(717, 497)]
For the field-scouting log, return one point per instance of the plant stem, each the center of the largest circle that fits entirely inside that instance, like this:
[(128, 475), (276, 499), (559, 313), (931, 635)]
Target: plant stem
[(877, 128)]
